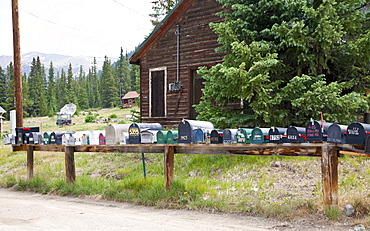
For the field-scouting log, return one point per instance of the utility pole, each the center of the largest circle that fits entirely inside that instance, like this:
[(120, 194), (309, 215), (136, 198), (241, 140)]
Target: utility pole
[(17, 65)]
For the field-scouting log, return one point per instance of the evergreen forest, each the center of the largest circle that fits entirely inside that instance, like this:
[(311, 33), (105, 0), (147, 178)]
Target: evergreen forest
[(44, 94)]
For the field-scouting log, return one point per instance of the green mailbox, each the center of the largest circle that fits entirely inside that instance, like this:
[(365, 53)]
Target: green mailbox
[(46, 138), (172, 137), (162, 137), (243, 135), (258, 135)]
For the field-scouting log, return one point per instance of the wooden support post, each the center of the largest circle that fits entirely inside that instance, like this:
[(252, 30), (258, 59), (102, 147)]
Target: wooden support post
[(329, 170), (169, 158), (30, 150), (18, 97), (70, 164)]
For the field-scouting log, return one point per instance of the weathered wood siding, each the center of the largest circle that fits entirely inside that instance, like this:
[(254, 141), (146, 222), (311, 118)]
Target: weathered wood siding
[(197, 48)]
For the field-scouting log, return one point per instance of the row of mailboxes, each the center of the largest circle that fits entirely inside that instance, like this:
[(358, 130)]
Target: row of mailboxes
[(71, 138), (134, 133), (193, 131), (21, 134), (188, 129)]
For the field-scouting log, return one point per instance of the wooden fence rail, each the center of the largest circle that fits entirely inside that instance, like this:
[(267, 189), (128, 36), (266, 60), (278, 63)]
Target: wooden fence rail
[(328, 152)]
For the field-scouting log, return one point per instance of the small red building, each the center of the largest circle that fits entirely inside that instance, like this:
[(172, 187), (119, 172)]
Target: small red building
[(129, 99), (169, 58)]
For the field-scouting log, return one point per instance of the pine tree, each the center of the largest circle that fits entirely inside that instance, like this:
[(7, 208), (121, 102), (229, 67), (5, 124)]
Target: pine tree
[(51, 93), (122, 74), (61, 90), (3, 91), (81, 90), (27, 103), (36, 83), (289, 62), (161, 8), (109, 91), (8, 104), (94, 86), (135, 78), (70, 94), (3, 87)]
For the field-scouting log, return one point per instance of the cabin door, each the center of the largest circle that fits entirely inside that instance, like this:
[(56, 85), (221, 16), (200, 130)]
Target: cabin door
[(157, 95), (198, 85)]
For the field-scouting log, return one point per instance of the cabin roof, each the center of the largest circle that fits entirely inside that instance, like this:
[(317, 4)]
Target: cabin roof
[(131, 95), (171, 17)]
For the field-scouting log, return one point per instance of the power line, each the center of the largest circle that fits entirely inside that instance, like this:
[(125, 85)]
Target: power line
[(145, 16), (48, 21)]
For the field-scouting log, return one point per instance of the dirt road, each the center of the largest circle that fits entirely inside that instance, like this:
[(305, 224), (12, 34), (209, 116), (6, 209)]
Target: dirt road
[(29, 211)]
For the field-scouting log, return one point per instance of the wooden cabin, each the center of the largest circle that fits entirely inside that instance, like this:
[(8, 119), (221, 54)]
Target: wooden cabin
[(169, 58), (128, 100)]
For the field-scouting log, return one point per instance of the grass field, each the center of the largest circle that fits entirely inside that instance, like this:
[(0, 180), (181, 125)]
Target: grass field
[(271, 186)]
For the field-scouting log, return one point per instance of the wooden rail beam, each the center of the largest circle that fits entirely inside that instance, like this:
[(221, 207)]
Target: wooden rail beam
[(70, 164), (169, 159), (129, 148), (329, 170)]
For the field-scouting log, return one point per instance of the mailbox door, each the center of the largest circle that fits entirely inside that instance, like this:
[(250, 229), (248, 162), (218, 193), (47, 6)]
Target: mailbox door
[(229, 136), (148, 137), (276, 135), (52, 138), (185, 132), (314, 131), (31, 138), (101, 139), (295, 134), (162, 137), (46, 138), (216, 136), (258, 135), (134, 134), (337, 134), (356, 133)]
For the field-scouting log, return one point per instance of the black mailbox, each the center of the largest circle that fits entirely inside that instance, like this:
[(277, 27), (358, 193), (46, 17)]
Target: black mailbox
[(277, 135), (337, 133), (187, 129), (217, 136), (230, 136), (25, 137), (135, 130), (317, 131), (357, 133), (295, 135), (56, 137), (20, 134)]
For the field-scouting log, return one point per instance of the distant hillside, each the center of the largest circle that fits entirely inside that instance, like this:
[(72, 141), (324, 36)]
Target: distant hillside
[(59, 62)]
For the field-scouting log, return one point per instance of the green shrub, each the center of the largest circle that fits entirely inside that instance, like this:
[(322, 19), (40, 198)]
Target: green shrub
[(90, 118), (113, 116)]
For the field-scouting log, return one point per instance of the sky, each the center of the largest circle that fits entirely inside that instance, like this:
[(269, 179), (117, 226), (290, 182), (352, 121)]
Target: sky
[(95, 28)]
